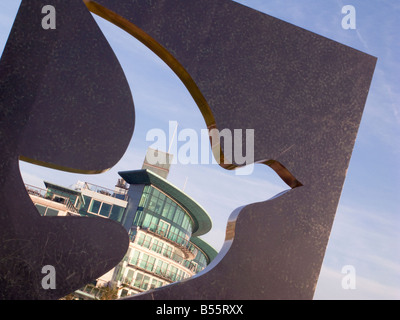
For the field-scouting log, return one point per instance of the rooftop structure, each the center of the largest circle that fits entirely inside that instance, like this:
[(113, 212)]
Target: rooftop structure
[(158, 161)]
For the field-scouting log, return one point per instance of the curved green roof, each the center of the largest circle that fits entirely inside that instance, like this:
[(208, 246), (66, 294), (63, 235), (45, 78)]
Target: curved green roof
[(202, 221), (205, 247)]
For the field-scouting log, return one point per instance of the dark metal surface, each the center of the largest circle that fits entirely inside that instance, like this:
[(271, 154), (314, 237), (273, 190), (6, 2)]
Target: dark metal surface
[(65, 103), (304, 96), (302, 93)]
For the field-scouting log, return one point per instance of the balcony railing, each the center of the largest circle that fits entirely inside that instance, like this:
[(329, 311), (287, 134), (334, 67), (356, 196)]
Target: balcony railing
[(184, 244), (43, 193), (35, 191), (164, 251), (163, 272), (134, 285), (123, 195)]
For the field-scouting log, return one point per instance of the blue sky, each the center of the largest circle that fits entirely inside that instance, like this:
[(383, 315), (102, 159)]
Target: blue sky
[(365, 232)]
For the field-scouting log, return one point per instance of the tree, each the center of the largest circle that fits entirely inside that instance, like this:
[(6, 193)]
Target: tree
[(108, 293)]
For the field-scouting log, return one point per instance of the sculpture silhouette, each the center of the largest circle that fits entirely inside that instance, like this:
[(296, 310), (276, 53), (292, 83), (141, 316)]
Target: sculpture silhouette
[(303, 95), (65, 104)]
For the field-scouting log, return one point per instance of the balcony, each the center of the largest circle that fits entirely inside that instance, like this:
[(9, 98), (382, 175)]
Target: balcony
[(183, 244), (164, 273), (43, 193)]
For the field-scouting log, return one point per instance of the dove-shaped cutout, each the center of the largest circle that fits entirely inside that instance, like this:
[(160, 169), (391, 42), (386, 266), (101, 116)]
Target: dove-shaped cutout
[(303, 95), (65, 104)]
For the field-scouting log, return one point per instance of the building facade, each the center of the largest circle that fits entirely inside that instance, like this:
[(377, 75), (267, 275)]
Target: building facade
[(163, 223)]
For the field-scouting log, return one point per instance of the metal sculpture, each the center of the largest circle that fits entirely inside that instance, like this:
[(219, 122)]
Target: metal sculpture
[(65, 104), (303, 95)]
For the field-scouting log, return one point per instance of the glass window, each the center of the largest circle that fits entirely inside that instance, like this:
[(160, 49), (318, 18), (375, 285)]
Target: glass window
[(41, 209), (143, 261), (161, 268), (178, 216), (132, 234), (173, 233), (138, 217), (144, 240), (126, 257), (158, 267), (121, 196), (95, 206), (105, 209), (51, 212), (85, 207), (182, 238), (152, 204), (167, 251), (129, 276), (154, 223), (145, 282), (193, 266), (153, 284), (143, 199), (146, 221), (157, 246), (117, 213), (135, 257), (171, 212), (159, 206), (172, 273), (162, 228), (179, 275), (165, 210), (156, 193), (162, 196), (138, 280), (60, 199), (140, 239), (185, 222), (147, 241), (150, 263)]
